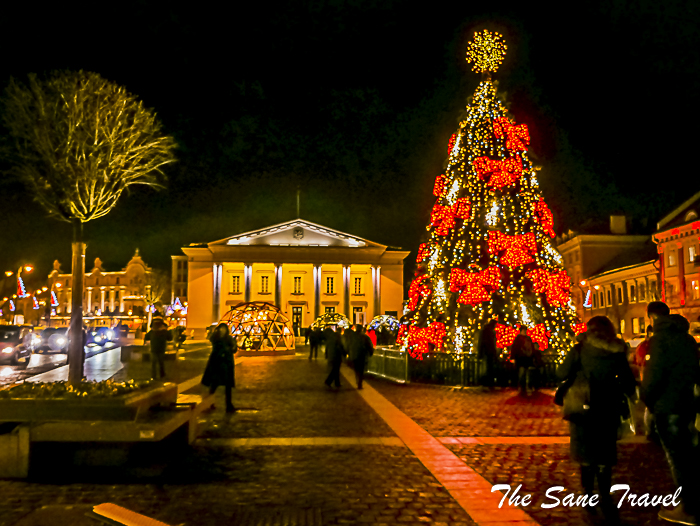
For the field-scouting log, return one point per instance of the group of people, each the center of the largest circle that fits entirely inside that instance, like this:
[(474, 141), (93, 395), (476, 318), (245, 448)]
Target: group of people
[(669, 373), (524, 354), (352, 342)]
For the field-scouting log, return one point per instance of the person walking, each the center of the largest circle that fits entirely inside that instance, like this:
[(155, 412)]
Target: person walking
[(159, 336), (314, 341), (335, 352), (220, 369), (486, 353), (670, 375), (359, 349), (600, 357), (522, 353)]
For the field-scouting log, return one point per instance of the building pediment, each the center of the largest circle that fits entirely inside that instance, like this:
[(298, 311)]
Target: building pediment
[(297, 233), (688, 212)]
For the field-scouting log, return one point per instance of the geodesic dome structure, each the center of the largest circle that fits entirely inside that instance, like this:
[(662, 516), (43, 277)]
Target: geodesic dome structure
[(385, 321), (331, 319), (260, 326)]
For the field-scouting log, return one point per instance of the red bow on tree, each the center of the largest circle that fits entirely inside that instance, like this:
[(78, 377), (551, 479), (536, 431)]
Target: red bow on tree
[(440, 183), (517, 137), (540, 335), (419, 338), (544, 217), (579, 327), (505, 335), (502, 173), (517, 250), (424, 251), (419, 288), (443, 217), (555, 285), (475, 287)]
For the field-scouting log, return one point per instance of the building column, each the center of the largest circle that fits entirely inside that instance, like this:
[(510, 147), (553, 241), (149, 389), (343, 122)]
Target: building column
[(69, 306), (121, 299), (317, 290), (376, 285), (346, 292), (216, 292), (111, 300), (278, 285), (247, 278), (102, 299), (89, 299), (662, 273), (681, 274)]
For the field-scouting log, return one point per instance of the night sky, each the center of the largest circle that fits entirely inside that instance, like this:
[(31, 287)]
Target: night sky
[(354, 102)]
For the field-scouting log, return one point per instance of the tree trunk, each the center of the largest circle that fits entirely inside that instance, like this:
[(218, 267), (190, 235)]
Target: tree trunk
[(76, 352)]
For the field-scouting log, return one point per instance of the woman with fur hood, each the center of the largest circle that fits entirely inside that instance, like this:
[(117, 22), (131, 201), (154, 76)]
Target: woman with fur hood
[(602, 357)]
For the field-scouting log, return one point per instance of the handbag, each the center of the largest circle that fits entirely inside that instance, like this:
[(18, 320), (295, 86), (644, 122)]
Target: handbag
[(578, 397)]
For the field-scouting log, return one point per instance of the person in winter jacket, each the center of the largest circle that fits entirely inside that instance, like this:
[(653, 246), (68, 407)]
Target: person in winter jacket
[(159, 336), (335, 352), (359, 349), (487, 352), (601, 357), (670, 376), (315, 339), (522, 353), (220, 369)]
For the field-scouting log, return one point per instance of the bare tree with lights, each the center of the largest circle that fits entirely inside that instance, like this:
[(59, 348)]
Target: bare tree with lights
[(156, 285), (78, 141), (489, 255)]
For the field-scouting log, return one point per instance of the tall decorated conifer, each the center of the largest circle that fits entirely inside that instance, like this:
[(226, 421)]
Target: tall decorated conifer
[(489, 253)]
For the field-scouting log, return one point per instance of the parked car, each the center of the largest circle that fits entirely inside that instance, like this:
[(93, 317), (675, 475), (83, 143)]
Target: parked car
[(53, 339), (99, 335), (16, 343)]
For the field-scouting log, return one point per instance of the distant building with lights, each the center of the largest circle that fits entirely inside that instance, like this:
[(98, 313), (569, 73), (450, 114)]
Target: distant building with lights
[(304, 268), (105, 293), (665, 268)]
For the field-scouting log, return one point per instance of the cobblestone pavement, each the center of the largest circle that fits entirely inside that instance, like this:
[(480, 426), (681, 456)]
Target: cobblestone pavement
[(538, 467), (475, 411), (211, 483), (211, 486)]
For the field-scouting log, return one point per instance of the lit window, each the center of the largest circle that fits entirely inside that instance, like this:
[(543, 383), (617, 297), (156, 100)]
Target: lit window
[(297, 284), (264, 284), (694, 289), (329, 285), (635, 326), (622, 326), (602, 299), (692, 253), (330, 309), (672, 258), (236, 284), (619, 295), (358, 285), (633, 296), (609, 298), (642, 292)]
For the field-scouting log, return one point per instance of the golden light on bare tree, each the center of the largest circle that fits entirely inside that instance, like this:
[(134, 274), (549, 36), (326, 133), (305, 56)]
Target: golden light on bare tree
[(78, 141)]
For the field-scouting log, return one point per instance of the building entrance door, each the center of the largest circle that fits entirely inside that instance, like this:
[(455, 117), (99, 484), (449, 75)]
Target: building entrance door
[(296, 320), (358, 315)]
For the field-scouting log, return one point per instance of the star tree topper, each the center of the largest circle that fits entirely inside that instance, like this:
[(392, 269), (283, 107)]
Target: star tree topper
[(486, 52)]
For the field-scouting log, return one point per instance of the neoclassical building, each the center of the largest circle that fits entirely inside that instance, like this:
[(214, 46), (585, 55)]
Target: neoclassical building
[(304, 268), (105, 292)]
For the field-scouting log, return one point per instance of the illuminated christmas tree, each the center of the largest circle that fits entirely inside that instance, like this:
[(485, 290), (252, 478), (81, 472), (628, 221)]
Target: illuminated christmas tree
[(489, 253)]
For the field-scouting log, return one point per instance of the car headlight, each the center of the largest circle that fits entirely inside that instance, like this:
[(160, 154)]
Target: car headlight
[(60, 341), (7, 350), (98, 338), (110, 335)]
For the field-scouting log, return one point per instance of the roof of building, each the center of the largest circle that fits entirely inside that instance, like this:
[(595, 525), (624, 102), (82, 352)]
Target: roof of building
[(678, 215), (629, 258)]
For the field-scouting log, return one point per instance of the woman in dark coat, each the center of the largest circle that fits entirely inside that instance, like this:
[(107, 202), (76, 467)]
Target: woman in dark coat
[(603, 359), (220, 368)]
